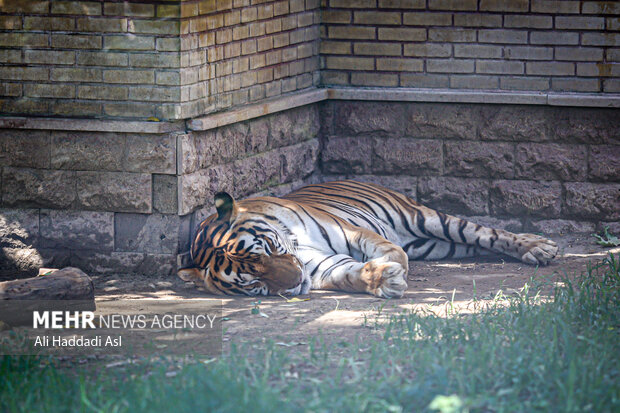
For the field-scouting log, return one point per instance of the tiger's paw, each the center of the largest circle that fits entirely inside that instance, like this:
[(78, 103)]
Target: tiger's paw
[(385, 279), (538, 250)]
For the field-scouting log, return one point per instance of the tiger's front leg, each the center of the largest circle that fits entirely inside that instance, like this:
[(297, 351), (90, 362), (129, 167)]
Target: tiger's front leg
[(343, 273), (383, 274)]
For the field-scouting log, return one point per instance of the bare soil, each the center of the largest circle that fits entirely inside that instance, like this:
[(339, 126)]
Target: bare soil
[(437, 287)]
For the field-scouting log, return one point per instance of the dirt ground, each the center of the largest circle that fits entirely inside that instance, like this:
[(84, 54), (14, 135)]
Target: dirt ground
[(341, 316)]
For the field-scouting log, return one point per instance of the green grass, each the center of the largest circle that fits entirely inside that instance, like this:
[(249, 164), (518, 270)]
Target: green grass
[(558, 354)]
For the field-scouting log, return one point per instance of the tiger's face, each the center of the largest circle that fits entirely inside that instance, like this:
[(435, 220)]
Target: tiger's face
[(239, 252)]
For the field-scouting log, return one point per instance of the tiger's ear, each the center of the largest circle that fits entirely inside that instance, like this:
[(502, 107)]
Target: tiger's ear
[(226, 207)]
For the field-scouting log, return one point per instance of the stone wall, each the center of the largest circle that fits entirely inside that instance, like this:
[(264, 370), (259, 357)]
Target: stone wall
[(534, 45), (524, 168), (128, 202)]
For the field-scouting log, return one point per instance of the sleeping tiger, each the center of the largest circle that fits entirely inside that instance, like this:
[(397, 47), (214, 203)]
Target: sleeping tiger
[(343, 235)]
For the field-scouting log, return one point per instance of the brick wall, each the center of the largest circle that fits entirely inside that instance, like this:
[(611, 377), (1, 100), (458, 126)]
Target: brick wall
[(523, 168), (537, 45), (137, 59)]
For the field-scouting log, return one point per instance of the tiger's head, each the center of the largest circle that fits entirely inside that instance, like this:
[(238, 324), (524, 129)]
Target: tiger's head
[(238, 251)]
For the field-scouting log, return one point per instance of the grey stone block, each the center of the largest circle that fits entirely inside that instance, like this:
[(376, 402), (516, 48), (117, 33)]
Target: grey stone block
[(197, 189), (194, 190), (512, 225), (354, 118), (560, 226), (154, 233), (185, 233), (38, 188), (299, 161), (514, 123), (114, 191), (19, 228), (604, 163), (77, 230), (24, 148), (229, 144), (347, 155), (188, 156), (410, 156), (293, 126), (326, 118), (256, 139), (551, 161), (455, 195), (585, 125), (256, 172), (96, 262), (165, 198), (89, 151), (525, 198), (403, 184), (150, 153), (589, 200), (479, 159), (613, 227), (442, 121), (97, 151)]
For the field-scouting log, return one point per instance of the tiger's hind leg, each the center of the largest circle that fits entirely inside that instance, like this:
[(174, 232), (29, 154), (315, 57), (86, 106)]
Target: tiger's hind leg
[(343, 273), (426, 225), (436, 249)]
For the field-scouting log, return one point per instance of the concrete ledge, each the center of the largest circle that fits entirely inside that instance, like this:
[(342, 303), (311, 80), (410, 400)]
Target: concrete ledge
[(307, 97), (94, 125), (475, 96), (263, 108)]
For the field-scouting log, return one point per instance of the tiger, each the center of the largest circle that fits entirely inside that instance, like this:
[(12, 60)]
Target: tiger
[(342, 235)]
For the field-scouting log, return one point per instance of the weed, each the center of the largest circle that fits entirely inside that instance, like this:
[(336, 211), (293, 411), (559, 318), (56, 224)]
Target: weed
[(606, 239)]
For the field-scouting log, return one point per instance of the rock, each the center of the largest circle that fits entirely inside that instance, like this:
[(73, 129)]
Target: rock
[(19, 228)]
